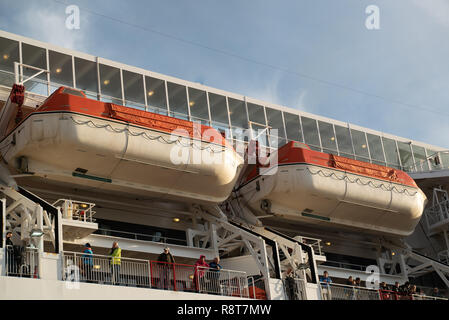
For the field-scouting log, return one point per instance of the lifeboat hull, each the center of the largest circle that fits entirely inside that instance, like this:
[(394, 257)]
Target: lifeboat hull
[(96, 152), (324, 196)]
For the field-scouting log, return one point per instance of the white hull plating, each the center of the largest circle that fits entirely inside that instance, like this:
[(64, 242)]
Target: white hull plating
[(118, 156), (313, 194)]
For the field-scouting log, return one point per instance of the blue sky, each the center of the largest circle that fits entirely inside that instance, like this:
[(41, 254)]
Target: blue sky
[(405, 61)]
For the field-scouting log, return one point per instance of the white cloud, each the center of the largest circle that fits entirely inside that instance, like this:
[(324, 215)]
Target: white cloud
[(48, 25), (438, 9)]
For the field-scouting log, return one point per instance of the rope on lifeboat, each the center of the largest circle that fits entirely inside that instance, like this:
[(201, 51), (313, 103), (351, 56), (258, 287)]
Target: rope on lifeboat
[(360, 182), (147, 136)]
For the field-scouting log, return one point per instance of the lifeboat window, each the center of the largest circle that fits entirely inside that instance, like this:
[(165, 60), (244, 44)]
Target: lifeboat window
[(310, 130), (344, 141), (237, 112), (156, 95), (86, 76), (73, 92), (61, 72), (292, 126)]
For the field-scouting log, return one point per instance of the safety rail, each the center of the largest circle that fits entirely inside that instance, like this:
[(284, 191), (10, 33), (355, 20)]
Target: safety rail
[(345, 265), (141, 236), (101, 269), (22, 262), (295, 288), (345, 292), (172, 276), (222, 282), (76, 210), (314, 243), (394, 295), (423, 297)]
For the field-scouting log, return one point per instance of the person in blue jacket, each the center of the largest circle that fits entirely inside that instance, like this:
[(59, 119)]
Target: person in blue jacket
[(88, 263)]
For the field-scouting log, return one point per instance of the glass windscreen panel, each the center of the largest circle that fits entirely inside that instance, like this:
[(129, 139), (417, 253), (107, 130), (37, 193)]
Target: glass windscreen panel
[(177, 99), (274, 118), (198, 105), (344, 142), (86, 76), (9, 53), (218, 109), (156, 95), (327, 137), (133, 89), (293, 127), (61, 71), (310, 130), (256, 113), (111, 88), (421, 163), (375, 148), (405, 153), (36, 57), (360, 145), (237, 113), (261, 134), (391, 153)]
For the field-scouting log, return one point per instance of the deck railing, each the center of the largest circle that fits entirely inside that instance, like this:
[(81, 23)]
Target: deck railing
[(346, 292), (141, 236), (21, 262), (153, 274), (222, 282)]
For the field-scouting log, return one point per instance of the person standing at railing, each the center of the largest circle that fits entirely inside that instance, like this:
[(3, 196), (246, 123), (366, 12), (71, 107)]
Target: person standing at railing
[(166, 260), (10, 256), (436, 293), (214, 275), (325, 278), (198, 278), (326, 281), (116, 254), (350, 281), (88, 263)]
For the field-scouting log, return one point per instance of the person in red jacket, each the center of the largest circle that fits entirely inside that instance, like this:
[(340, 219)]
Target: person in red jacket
[(200, 268)]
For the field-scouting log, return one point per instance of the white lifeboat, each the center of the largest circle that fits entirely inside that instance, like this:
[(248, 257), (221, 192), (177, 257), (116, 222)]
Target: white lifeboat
[(90, 143), (323, 189)]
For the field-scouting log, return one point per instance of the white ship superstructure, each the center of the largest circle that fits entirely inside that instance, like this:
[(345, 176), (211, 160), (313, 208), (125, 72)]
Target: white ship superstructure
[(88, 149)]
